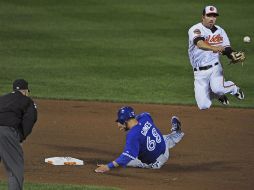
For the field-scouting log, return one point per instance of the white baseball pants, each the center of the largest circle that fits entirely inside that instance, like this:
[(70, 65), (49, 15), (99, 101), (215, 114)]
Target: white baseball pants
[(208, 82)]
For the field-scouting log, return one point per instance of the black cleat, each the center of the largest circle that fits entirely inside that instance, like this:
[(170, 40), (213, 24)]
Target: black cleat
[(223, 100), (239, 94)]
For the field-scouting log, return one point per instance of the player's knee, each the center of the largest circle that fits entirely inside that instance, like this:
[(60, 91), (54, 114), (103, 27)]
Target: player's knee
[(204, 105)]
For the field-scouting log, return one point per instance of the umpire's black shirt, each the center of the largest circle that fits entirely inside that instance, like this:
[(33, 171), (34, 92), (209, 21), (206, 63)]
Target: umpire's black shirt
[(18, 111)]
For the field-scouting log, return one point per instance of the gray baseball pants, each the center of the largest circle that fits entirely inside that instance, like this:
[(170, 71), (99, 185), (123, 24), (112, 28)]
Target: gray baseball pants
[(11, 154), (170, 140)]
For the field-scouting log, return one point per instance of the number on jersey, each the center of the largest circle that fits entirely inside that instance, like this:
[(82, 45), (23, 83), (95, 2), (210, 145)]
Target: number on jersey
[(151, 144)]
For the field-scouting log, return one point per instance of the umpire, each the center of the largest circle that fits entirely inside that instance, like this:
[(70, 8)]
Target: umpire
[(18, 115)]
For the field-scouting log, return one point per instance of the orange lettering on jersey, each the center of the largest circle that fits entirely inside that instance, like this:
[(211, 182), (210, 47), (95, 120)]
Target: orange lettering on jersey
[(214, 40)]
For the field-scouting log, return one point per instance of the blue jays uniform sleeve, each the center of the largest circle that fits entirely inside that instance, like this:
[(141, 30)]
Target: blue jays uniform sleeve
[(131, 149)]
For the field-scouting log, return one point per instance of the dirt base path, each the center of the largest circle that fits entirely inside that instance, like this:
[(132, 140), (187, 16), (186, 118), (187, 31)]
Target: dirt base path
[(216, 153)]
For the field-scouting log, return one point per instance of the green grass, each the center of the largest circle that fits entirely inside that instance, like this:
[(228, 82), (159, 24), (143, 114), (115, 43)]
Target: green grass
[(33, 186), (111, 50)]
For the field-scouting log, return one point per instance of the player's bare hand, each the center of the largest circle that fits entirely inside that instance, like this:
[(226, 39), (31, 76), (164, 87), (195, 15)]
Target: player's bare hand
[(101, 168)]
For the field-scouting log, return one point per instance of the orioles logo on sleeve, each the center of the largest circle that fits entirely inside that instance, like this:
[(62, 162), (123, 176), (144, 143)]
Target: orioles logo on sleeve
[(197, 31), (214, 39)]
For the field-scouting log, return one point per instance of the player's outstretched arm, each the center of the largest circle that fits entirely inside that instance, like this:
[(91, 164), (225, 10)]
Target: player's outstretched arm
[(204, 46), (102, 168)]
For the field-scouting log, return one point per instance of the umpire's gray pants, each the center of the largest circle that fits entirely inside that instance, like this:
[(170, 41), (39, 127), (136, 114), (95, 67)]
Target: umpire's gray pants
[(11, 154)]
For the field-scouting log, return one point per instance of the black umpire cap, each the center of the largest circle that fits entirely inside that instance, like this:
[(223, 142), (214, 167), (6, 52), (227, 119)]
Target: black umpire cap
[(20, 84)]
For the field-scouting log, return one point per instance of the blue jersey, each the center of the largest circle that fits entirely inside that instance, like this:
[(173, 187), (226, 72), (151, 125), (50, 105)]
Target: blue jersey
[(143, 141)]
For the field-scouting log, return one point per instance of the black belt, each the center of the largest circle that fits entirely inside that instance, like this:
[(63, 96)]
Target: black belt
[(205, 67)]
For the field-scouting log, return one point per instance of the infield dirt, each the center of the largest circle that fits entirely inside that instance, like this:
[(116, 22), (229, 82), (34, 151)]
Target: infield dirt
[(216, 152)]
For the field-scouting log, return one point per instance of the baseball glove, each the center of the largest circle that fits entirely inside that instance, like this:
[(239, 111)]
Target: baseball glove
[(237, 57)]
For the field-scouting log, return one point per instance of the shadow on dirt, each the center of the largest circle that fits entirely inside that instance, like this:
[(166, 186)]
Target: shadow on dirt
[(214, 166)]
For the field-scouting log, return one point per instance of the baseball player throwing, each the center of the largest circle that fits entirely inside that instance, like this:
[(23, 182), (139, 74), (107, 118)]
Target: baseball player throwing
[(145, 146), (207, 42)]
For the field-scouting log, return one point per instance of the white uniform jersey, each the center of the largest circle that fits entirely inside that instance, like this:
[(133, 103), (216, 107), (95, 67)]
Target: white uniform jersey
[(199, 57)]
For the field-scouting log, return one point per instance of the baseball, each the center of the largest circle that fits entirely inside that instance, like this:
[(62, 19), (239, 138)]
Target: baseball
[(246, 39)]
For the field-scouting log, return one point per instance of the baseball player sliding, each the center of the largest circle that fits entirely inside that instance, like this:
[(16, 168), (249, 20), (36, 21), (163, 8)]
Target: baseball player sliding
[(207, 42), (145, 146)]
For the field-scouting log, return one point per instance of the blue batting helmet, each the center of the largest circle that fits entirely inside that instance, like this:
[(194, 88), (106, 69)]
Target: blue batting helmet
[(124, 114)]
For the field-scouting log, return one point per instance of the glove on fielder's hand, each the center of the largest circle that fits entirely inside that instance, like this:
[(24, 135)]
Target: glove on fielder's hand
[(237, 57)]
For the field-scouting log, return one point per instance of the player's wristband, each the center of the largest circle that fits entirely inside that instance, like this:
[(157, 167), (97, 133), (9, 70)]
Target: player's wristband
[(111, 165)]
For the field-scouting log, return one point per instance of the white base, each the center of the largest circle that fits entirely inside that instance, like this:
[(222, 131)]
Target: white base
[(59, 161)]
